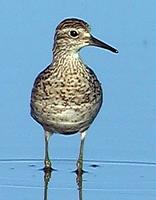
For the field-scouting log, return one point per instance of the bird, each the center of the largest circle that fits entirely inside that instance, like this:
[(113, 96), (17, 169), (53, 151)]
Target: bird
[(67, 95)]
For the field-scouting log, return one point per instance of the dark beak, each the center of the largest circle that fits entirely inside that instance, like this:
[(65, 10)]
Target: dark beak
[(98, 43)]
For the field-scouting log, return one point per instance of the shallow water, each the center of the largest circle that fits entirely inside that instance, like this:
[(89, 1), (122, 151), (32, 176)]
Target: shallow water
[(25, 179), (123, 134)]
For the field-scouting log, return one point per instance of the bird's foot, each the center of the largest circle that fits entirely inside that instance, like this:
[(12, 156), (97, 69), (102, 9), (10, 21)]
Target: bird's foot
[(79, 165), (47, 166)]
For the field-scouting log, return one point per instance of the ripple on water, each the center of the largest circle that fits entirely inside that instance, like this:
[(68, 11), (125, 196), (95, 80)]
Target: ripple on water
[(120, 179)]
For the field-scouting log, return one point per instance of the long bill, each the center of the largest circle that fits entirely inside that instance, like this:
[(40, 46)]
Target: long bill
[(95, 42)]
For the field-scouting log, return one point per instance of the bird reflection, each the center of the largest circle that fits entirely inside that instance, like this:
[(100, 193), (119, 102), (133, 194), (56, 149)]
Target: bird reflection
[(47, 178), (79, 184)]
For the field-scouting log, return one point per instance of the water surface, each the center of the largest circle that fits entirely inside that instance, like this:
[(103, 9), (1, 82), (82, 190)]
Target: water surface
[(25, 179)]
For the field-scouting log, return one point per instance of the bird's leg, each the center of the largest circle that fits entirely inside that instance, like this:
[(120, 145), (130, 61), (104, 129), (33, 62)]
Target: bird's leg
[(47, 161), (80, 158)]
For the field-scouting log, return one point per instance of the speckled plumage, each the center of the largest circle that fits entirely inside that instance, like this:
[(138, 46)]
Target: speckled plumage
[(67, 96), (66, 100)]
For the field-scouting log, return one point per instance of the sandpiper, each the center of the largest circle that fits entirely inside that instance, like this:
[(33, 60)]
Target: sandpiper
[(67, 96)]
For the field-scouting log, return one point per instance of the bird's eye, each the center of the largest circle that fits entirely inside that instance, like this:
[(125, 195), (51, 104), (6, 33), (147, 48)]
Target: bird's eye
[(73, 33)]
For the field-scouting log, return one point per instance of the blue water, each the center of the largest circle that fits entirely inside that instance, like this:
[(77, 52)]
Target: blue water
[(24, 179), (120, 148)]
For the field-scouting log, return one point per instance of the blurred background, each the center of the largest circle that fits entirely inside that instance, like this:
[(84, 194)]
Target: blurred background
[(125, 127)]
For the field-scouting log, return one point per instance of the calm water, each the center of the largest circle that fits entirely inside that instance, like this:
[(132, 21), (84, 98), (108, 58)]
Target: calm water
[(113, 180), (121, 144)]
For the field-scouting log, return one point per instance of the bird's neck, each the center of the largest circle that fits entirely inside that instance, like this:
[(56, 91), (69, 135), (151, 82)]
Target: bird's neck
[(68, 61), (66, 56)]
